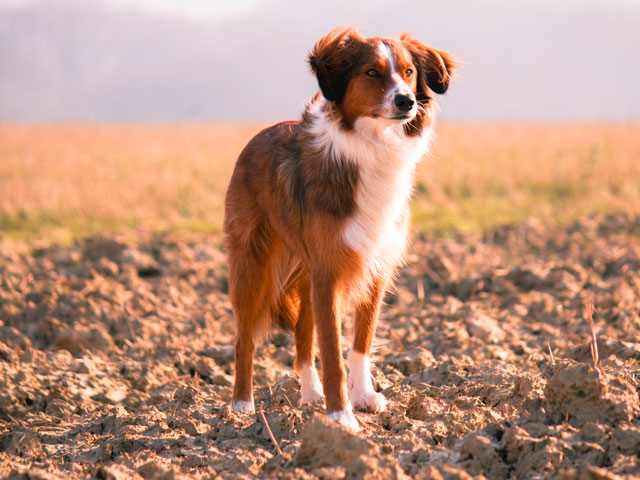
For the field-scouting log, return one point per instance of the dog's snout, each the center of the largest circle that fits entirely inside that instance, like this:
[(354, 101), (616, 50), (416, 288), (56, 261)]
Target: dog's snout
[(403, 102)]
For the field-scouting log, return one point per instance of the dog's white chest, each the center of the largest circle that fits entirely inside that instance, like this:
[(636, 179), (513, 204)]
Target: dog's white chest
[(377, 231)]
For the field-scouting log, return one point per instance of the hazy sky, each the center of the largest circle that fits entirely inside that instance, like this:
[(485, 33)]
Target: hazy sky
[(171, 61), (193, 9)]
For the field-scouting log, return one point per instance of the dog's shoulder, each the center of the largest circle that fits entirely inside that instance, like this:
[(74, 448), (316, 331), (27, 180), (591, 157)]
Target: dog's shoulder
[(271, 138)]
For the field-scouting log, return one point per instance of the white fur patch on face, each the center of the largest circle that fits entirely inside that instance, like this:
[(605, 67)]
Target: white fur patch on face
[(346, 418), (385, 53), (310, 386), (244, 406), (398, 86), (361, 391)]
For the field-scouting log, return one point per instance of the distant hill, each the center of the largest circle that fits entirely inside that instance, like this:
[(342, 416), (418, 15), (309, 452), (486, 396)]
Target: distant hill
[(79, 61)]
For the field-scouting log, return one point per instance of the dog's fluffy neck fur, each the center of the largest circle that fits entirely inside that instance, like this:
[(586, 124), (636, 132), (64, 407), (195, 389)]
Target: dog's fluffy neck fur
[(385, 156), (369, 138)]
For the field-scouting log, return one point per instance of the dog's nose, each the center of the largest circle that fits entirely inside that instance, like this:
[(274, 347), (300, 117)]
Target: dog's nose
[(403, 102)]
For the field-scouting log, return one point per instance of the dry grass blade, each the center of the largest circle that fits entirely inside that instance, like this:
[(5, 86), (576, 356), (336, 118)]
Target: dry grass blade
[(434, 276), (594, 344), (396, 339), (287, 399), (273, 439), (553, 360), (16, 421), (420, 289)]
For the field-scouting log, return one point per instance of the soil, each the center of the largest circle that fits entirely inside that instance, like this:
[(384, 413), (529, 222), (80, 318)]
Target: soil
[(116, 362)]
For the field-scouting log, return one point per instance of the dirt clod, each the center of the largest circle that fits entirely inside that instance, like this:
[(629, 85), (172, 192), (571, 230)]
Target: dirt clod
[(482, 457), (580, 393), (326, 443)]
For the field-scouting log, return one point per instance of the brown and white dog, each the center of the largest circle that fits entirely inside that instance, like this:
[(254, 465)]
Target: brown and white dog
[(316, 214)]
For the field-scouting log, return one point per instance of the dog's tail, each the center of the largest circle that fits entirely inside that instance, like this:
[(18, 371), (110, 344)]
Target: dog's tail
[(286, 313), (287, 308)]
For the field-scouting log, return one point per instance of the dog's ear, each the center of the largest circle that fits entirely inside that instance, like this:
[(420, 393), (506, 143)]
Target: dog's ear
[(435, 67), (332, 59)]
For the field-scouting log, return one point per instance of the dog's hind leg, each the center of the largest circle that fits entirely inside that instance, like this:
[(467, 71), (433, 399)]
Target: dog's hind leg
[(250, 294), (361, 392)]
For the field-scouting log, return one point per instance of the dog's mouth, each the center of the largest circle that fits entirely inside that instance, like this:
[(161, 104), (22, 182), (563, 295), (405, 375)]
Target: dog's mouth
[(397, 118)]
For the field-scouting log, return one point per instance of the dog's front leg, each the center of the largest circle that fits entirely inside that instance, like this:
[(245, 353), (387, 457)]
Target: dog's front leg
[(361, 391), (327, 312)]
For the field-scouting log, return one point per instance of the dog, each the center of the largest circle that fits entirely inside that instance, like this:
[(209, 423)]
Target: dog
[(317, 212)]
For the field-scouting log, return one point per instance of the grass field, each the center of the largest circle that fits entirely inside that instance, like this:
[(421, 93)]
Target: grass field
[(62, 183)]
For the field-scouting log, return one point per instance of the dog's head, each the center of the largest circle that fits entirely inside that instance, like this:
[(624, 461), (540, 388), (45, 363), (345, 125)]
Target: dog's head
[(380, 78)]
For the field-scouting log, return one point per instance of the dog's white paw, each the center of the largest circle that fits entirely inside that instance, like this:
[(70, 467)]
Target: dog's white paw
[(310, 386), (368, 400), (346, 418), (243, 406), (361, 392)]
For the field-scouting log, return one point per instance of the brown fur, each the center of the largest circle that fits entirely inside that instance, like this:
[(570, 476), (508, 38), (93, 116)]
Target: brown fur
[(285, 212)]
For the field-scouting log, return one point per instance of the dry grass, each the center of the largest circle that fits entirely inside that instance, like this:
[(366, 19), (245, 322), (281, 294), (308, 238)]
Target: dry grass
[(62, 182), (483, 175), (58, 183)]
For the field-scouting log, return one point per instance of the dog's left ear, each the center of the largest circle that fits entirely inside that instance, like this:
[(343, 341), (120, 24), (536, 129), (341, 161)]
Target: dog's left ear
[(435, 67), (332, 58)]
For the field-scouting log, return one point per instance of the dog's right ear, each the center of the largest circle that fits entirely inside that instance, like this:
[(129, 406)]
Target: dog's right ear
[(332, 58)]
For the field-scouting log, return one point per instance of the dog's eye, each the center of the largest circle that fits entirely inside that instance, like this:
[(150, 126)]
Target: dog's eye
[(372, 73), (408, 72)]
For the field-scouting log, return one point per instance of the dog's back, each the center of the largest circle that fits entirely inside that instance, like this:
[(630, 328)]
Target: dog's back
[(251, 233)]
